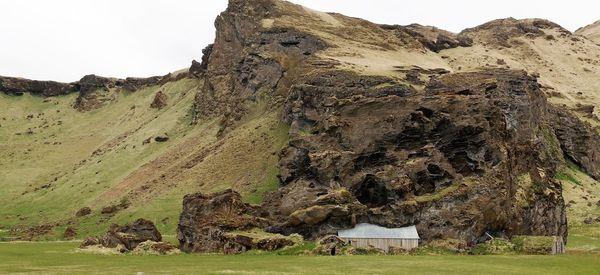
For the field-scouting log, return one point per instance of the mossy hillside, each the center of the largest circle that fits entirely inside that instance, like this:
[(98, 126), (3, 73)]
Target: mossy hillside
[(63, 156), (97, 158)]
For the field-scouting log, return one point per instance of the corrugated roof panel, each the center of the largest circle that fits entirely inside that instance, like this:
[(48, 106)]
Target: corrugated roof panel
[(371, 231)]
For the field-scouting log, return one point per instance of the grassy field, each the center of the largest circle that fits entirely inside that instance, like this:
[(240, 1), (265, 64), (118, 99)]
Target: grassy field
[(61, 258)]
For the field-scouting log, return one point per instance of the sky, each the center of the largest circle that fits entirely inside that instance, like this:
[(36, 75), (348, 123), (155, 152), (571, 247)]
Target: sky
[(64, 40)]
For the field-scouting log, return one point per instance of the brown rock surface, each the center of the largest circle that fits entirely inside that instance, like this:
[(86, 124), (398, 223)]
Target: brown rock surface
[(129, 235), (20, 86), (205, 219), (70, 233), (160, 100), (84, 211), (430, 37), (458, 157), (431, 159), (578, 140)]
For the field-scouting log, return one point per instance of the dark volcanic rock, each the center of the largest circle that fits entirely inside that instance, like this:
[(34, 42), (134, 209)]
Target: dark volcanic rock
[(134, 83), (238, 68), (449, 160), (164, 138), (473, 153), (431, 38), (89, 241), (91, 83), (578, 140), (94, 92), (206, 218), (19, 86), (196, 69), (199, 68), (273, 244), (129, 235)]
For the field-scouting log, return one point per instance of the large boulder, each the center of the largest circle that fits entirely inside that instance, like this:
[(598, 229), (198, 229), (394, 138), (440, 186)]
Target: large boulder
[(160, 100), (206, 218), (94, 92), (128, 236)]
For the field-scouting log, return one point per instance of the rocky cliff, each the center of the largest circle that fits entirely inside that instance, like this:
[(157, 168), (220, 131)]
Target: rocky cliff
[(459, 154), (316, 122)]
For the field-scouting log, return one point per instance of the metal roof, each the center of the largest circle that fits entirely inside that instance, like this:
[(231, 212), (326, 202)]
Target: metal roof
[(371, 231)]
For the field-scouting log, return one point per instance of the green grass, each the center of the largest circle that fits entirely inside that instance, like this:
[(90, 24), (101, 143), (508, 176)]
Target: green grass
[(584, 239), (244, 159), (271, 183), (565, 176), (78, 177), (60, 258)]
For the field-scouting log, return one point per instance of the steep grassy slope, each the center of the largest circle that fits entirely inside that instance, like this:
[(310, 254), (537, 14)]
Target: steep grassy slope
[(56, 160), (582, 195)]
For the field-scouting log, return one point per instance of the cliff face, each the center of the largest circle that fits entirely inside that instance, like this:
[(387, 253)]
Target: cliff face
[(459, 134), (459, 154), (472, 153), (248, 60)]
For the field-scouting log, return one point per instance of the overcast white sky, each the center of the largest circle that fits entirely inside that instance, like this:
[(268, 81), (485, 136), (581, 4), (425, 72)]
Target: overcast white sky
[(66, 39)]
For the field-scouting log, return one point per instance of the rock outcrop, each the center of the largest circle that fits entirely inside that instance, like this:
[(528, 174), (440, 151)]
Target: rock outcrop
[(448, 160), (128, 236), (467, 155), (95, 91), (206, 218), (430, 37), (216, 223), (247, 59), (160, 100), (199, 68), (500, 32), (578, 140), (135, 83), (84, 211), (19, 86)]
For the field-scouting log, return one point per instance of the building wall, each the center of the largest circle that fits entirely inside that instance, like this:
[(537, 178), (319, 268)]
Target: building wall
[(558, 247), (384, 244)]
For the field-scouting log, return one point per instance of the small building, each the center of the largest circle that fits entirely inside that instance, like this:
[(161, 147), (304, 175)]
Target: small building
[(365, 235)]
